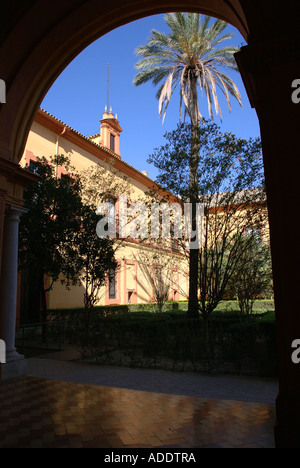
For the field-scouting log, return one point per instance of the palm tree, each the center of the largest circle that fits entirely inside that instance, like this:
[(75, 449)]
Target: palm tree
[(188, 58)]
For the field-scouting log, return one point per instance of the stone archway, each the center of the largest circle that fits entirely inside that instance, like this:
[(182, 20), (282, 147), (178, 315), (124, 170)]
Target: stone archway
[(39, 39)]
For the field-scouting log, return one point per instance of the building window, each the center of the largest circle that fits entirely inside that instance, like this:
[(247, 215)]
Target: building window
[(130, 296), (111, 212), (112, 284), (175, 244), (34, 166), (255, 233), (112, 142), (66, 180)]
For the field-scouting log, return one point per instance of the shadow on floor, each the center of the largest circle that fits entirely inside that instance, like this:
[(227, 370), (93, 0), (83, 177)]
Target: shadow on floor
[(41, 413)]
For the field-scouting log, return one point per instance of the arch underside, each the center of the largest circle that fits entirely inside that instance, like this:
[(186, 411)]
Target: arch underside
[(49, 35)]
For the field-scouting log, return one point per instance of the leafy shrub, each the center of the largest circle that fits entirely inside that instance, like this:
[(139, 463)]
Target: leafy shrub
[(235, 344)]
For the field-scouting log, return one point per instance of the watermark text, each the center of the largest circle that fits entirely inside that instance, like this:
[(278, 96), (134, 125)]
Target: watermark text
[(153, 457), (2, 352), (296, 93), (296, 353), (2, 92), (138, 221)]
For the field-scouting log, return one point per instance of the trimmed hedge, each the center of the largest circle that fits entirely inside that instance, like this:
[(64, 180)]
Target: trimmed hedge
[(115, 336)]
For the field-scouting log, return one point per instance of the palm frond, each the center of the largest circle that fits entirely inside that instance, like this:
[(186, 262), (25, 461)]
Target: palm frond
[(188, 55), (165, 94), (204, 25)]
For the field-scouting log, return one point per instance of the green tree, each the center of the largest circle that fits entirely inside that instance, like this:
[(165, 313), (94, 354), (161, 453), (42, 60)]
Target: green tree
[(63, 246), (95, 257), (230, 193), (253, 275), (157, 272), (191, 57), (48, 229)]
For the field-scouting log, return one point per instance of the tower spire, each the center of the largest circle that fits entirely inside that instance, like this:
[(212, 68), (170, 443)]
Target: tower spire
[(107, 88)]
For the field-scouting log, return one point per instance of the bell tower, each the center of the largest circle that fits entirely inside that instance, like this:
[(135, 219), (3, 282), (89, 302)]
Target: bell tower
[(110, 130), (109, 136)]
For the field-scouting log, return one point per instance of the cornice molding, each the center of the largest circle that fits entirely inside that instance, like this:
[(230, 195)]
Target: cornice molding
[(114, 123), (14, 172), (259, 62), (57, 126)]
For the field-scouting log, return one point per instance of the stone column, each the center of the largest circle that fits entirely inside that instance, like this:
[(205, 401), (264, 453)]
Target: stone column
[(269, 67), (2, 212), (9, 281)]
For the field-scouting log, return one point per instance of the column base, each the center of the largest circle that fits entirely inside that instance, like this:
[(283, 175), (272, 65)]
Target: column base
[(287, 428), (16, 366), (287, 437), (13, 355), (14, 369)]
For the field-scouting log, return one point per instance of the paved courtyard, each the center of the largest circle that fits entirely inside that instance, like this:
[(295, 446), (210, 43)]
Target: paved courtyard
[(63, 403)]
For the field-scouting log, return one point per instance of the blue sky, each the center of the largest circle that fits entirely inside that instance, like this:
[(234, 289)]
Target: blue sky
[(79, 95)]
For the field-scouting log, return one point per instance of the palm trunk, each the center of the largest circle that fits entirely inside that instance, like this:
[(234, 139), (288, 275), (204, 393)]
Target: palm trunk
[(193, 309), (193, 306), (44, 310)]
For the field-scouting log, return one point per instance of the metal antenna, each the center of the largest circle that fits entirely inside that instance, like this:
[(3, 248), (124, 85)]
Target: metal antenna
[(107, 88)]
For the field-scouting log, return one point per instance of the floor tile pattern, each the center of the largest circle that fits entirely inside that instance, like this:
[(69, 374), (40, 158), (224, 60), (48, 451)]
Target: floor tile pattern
[(42, 413)]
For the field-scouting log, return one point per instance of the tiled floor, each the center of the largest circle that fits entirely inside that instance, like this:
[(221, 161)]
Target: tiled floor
[(41, 413)]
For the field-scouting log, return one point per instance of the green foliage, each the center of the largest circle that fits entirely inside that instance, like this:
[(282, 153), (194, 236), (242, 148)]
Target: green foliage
[(48, 229), (226, 164), (230, 188), (253, 275), (58, 237), (94, 258)]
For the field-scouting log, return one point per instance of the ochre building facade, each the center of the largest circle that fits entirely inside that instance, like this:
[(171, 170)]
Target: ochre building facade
[(130, 284)]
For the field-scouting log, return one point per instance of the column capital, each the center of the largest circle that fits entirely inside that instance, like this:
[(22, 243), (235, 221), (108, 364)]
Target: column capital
[(13, 212), (268, 67)]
